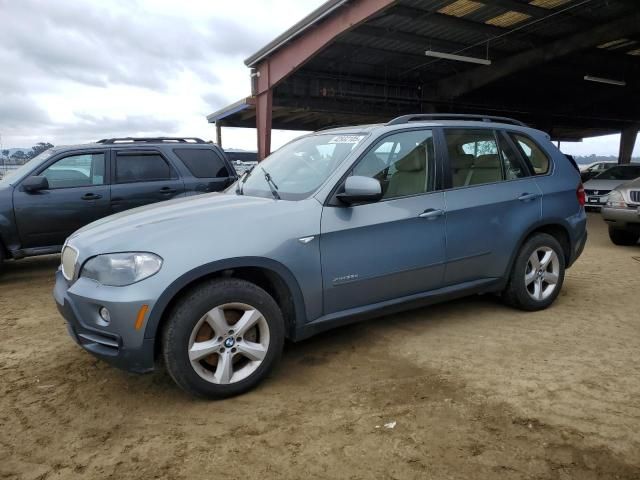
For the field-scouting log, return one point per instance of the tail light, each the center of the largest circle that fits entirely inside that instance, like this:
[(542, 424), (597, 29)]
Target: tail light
[(582, 197)]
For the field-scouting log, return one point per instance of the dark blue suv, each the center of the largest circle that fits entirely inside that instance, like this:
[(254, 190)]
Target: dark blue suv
[(66, 188)]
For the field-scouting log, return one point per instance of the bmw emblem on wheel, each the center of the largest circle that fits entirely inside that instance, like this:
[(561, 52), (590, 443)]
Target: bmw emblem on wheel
[(229, 342)]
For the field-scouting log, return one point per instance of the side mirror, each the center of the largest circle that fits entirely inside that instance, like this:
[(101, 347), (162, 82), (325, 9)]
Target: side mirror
[(360, 189), (35, 184)]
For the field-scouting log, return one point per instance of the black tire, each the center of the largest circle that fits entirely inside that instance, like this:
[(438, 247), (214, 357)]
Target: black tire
[(516, 293), (187, 313), (623, 237)]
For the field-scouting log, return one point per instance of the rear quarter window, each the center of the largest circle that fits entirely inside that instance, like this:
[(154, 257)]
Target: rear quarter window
[(202, 162), (538, 159)]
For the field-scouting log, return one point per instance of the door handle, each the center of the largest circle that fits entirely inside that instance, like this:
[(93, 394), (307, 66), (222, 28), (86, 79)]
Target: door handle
[(167, 190), (91, 196), (525, 197), (431, 214)]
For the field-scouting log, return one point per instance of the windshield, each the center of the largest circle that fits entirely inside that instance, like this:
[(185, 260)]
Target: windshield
[(297, 170), (12, 174), (620, 173)]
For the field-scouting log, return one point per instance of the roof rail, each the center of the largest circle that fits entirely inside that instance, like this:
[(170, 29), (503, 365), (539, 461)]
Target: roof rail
[(329, 127), (453, 116), (110, 141)]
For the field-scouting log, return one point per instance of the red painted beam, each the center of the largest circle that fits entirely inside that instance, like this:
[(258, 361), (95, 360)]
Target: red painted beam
[(288, 58), (627, 143), (300, 50), (264, 113)]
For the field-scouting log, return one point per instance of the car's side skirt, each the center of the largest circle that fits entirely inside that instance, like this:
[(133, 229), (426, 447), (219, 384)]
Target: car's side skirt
[(352, 315)]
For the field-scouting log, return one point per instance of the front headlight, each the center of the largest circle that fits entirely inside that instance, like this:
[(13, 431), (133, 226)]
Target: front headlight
[(121, 269), (616, 200)]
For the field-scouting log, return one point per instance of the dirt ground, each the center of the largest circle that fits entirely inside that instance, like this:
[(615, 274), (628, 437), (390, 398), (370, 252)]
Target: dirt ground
[(476, 391)]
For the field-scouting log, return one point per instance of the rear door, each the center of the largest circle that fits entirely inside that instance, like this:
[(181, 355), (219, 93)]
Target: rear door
[(492, 200), (205, 170), (78, 194), (140, 177)]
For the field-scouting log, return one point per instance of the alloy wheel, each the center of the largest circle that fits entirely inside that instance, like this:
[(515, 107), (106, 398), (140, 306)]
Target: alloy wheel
[(229, 343), (542, 273)]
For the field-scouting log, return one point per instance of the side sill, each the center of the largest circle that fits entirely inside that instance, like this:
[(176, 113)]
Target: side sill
[(396, 305)]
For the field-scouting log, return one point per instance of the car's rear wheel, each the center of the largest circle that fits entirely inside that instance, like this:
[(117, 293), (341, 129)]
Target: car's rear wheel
[(623, 237), (537, 274), (222, 338)]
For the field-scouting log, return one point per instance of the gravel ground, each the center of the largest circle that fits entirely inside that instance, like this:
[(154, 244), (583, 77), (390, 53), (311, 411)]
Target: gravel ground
[(472, 388)]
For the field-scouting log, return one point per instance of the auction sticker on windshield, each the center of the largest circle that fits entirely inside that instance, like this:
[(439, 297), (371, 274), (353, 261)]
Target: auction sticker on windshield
[(348, 139)]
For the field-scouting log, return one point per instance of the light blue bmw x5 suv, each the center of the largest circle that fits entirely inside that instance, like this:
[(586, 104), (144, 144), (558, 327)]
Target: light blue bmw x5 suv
[(334, 227)]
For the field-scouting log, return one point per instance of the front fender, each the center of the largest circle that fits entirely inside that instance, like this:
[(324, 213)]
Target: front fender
[(202, 271)]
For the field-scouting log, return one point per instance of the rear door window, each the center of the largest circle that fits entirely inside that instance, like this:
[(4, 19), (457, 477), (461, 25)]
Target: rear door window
[(478, 156), (536, 156), (202, 162), (142, 167)]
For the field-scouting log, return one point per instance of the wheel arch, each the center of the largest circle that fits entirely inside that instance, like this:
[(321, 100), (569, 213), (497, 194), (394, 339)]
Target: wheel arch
[(268, 274), (558, 229)]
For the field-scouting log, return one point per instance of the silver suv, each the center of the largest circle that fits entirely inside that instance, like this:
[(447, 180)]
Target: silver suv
[(622, 213), (334, 227)]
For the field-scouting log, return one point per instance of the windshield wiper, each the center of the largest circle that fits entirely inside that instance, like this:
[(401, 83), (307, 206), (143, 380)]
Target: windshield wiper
[(272, 185), (245, 176)]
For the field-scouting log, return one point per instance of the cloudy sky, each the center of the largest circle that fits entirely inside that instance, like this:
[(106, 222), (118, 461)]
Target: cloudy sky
[(73, 71)]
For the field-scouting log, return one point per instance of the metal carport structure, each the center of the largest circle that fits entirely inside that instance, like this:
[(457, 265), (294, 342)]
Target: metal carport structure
[(569, 67)]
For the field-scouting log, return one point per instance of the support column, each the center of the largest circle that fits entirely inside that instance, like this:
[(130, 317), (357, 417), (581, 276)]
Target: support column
[(219, 134), (264, 111), (627, 142)]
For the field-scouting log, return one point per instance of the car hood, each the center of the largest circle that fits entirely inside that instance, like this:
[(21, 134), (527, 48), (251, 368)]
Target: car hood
[(595, 184), (632, 184), (202, 228), (177, 213)]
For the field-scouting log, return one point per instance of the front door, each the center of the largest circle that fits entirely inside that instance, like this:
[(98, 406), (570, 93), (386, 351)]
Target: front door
[(142, 177), (492, 202), (392, 248), (78, 194)]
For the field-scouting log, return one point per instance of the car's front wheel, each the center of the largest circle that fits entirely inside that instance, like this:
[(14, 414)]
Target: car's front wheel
[(537, 274), (222, 338), (623, 237)]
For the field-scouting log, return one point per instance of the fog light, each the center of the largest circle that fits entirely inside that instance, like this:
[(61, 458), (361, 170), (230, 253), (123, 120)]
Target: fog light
[(105, 315)]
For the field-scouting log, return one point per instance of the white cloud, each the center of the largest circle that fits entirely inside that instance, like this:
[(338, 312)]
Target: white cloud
[(73, 71), (78, 71), (605, 145)]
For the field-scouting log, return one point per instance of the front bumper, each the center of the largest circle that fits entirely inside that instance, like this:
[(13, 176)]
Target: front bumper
[(622, 217), (117, 343)]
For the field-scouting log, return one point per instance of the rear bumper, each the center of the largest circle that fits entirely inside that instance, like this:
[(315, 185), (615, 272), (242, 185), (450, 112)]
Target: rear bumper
[(131, 352), (578, 248)]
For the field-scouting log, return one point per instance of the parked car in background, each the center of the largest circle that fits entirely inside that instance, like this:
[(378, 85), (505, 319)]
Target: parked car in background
[(587, 172), (242, 160), (597, 189), (622, 213), (65, 188), (332, 228)]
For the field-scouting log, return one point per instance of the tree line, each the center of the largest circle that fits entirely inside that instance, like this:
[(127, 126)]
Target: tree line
[(20, 157)]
